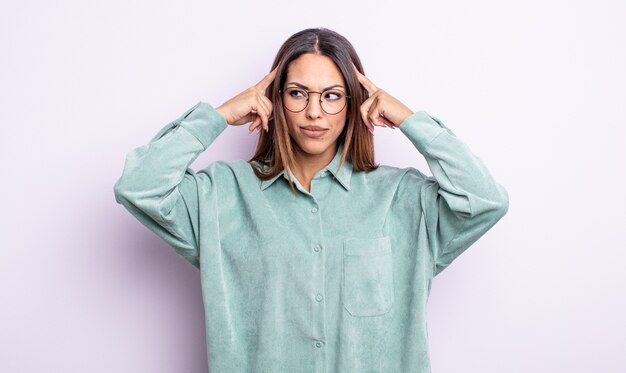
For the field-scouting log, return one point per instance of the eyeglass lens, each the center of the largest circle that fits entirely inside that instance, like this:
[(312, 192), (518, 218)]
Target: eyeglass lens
[(296, 99)]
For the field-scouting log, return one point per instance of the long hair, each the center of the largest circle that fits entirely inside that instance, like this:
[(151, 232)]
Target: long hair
[(274, 150)]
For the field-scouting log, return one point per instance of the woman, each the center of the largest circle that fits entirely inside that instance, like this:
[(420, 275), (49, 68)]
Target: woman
[(329, 267)]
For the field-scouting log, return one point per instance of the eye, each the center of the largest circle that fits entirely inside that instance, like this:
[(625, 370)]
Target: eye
[(333, 96), (295, 92)]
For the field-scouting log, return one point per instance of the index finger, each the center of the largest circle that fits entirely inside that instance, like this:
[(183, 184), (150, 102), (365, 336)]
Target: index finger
[(371, 88), (267, 80)]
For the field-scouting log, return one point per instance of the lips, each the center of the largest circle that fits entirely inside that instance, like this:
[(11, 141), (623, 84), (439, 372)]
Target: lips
[(314, 128), (314, 131)]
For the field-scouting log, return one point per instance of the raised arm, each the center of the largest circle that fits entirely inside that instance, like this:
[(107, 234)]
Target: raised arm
[(461, 201), (158, 187), (162, 192)]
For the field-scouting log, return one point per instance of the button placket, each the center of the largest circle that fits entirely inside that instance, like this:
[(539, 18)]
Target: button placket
[(318, 283)]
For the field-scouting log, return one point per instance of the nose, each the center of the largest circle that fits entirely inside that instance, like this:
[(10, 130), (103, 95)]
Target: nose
[(314, 108)]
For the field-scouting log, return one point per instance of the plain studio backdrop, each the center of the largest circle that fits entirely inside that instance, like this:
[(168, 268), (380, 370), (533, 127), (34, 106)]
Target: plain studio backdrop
[(534, 88)]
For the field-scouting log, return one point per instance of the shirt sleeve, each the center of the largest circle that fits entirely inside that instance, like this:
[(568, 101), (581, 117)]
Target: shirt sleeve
[(158, 187), (461, 201)]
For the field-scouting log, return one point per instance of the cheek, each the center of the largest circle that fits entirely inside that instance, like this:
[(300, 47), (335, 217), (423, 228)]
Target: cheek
[(340, 123), (291, 121)]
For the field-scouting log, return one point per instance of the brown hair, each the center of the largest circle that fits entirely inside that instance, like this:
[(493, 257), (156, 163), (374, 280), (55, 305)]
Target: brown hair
[(274, 148)]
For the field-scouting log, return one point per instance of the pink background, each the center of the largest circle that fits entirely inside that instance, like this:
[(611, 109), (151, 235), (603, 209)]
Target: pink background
[(536, 89)]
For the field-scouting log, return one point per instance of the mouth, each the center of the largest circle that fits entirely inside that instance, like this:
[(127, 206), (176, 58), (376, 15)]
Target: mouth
[(314, 131)]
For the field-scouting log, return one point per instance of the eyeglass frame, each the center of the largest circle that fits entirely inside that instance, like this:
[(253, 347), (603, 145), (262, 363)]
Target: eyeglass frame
[(307, 101)]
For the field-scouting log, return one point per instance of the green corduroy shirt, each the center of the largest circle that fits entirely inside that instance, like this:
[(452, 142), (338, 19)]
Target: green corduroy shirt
[(332, 280)]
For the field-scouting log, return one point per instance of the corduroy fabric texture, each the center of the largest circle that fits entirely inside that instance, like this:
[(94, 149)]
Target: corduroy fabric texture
[(335, 280)]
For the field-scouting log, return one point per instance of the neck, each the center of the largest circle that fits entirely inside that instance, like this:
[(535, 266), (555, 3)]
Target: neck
[(307, 165)]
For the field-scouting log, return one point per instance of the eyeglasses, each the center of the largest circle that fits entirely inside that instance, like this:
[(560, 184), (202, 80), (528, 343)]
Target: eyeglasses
[(297, 99)]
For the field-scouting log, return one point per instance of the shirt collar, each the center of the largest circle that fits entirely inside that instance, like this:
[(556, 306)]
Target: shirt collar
[(342, 175)]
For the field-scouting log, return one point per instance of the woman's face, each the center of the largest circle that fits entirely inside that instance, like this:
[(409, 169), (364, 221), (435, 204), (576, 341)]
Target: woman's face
[(316, 73)]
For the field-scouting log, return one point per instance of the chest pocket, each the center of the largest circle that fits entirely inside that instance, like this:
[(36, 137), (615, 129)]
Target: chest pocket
[(368, 276)]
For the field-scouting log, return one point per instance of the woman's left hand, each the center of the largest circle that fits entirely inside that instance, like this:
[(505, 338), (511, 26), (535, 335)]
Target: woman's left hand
[(381, 108)]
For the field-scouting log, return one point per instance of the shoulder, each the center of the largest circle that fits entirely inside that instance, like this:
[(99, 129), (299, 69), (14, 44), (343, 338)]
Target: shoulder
[(407, 183), (393, 174), (237, 172), (404, 183), (224, 168)]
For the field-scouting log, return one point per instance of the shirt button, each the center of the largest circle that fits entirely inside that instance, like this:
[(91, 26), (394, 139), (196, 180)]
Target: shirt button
[(319, 297), (316, 249), (314, 209), (318, 344)]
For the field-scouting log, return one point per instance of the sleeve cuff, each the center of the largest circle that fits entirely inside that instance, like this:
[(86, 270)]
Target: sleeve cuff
[(204, 122), (422, 128)]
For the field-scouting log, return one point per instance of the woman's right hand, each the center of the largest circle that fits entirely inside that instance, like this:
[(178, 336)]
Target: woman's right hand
[(250, 105)]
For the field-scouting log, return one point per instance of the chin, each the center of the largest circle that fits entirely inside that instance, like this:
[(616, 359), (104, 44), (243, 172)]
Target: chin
[(309, 148), (313, 146)]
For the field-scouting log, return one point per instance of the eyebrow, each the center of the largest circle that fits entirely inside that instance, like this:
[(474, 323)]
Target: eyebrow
[(305, 87)]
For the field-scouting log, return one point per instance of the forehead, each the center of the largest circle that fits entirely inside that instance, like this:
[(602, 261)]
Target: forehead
[(314, 71)]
